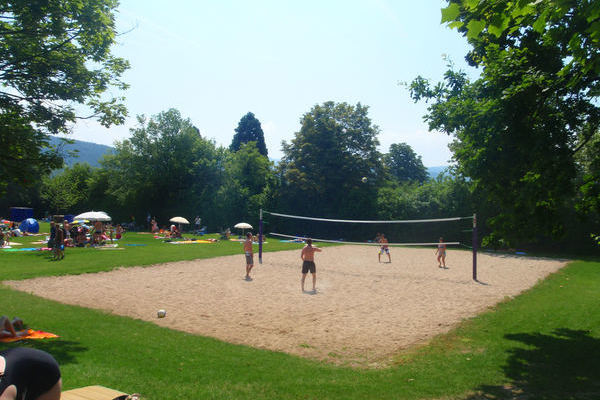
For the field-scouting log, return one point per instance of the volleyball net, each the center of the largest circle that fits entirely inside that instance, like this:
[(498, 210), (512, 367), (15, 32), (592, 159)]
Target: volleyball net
[(456, 231)]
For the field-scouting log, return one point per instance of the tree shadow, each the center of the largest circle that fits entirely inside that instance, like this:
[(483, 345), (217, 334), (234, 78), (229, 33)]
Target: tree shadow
[(64, 351), (562, 365)]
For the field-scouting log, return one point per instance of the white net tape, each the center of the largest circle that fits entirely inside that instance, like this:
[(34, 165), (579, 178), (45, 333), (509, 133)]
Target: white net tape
[(354, 221), (362, 243)]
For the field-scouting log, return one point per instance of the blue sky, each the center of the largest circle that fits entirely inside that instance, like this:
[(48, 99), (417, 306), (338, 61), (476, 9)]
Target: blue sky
[(216, 60)]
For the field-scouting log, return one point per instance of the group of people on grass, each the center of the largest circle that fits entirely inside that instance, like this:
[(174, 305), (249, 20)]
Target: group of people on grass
[(80, 235), (172, 231), (8, 230)]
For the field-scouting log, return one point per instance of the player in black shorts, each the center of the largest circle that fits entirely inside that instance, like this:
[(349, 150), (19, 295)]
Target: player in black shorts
[(308, 263)]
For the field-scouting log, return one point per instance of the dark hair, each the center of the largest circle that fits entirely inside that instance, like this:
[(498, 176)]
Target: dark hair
[(308, 241), (249, 234)]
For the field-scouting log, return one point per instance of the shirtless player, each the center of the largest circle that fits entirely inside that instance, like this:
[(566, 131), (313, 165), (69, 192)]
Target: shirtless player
[(308, 263)]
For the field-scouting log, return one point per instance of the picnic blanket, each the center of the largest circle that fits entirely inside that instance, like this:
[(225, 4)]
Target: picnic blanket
[(27, 249), (31, 334), (192, 241)]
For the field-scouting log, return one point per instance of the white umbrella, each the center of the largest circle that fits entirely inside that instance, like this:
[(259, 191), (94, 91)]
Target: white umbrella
[(242, 226), (94, 216), (179, 220)]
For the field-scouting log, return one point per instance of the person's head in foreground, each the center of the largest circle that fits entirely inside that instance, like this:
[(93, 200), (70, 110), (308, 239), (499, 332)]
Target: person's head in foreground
[(29, 374), (249, 235), (309, 242)]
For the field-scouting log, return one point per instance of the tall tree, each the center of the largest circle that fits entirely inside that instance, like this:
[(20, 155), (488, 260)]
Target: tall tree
[(67, 191), (404, 164), (519, 127), (165, 168), (324, 164), (54, 56), (249, 130), (244, 190)]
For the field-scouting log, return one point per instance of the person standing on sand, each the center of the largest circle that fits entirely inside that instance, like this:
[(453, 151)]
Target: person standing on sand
[(384, 248), (249, 254), (308, 263), (441, 253)]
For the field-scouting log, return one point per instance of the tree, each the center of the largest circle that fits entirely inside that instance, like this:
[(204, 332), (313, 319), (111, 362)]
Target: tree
[(324, 163), (404, 164), (26, 155), (165, 168), (244, 190), (520, 125), (249, 130), (67, 190), (54, 56)]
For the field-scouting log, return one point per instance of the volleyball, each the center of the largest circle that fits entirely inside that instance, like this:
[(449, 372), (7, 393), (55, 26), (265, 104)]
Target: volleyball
[(161, 313), (364, 179)]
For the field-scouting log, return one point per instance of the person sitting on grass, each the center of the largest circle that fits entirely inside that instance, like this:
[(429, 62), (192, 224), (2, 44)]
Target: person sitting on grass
[(11, 329), (120, 231), (175, 233)]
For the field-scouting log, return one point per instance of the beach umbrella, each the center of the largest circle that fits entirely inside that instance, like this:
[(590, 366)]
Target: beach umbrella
[(242, 226), (94, 216), (179, 220)]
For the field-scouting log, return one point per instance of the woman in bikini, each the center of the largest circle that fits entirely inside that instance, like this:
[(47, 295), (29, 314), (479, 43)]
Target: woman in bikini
[(441, 253)]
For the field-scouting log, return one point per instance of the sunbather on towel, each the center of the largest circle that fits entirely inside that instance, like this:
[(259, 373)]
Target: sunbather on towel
[(29, 374), (10, 328)]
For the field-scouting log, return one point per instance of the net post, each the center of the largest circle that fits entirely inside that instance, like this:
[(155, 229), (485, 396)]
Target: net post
[(474, 247), (260, 235)]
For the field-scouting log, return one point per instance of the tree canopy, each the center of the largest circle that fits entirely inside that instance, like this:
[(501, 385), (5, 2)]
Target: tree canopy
[(55, 59), (404, 164), (521, 124), (324, 163), (165, 166), (249, 130)]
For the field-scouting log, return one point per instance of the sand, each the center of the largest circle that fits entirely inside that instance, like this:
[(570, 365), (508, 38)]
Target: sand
[(362, 313)]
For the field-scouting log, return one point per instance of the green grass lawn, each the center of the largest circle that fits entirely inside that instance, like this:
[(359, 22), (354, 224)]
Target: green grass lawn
[(544, 343), (140, 249)]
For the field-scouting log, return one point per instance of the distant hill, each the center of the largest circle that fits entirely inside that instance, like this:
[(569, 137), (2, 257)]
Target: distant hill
[(92, 153), (435, 171), (87, 152)]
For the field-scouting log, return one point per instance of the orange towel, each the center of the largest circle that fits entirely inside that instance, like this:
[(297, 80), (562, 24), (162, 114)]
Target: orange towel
[(31, 334)]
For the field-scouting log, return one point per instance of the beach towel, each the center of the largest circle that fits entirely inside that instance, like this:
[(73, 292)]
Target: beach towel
[(31, 334), (106, 246), (192, 241), (23, 249)]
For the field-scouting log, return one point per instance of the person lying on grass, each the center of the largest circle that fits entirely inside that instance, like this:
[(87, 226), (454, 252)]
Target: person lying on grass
[(10, 328)]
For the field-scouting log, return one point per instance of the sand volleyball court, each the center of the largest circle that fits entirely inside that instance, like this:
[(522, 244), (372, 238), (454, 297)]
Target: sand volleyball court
[(362, 313)]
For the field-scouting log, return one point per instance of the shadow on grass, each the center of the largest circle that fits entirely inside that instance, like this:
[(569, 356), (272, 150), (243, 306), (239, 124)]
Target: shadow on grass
[(64, 351), (562, 365)]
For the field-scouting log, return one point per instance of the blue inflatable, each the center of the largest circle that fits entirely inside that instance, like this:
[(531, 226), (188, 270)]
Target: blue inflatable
[(30, 225)]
